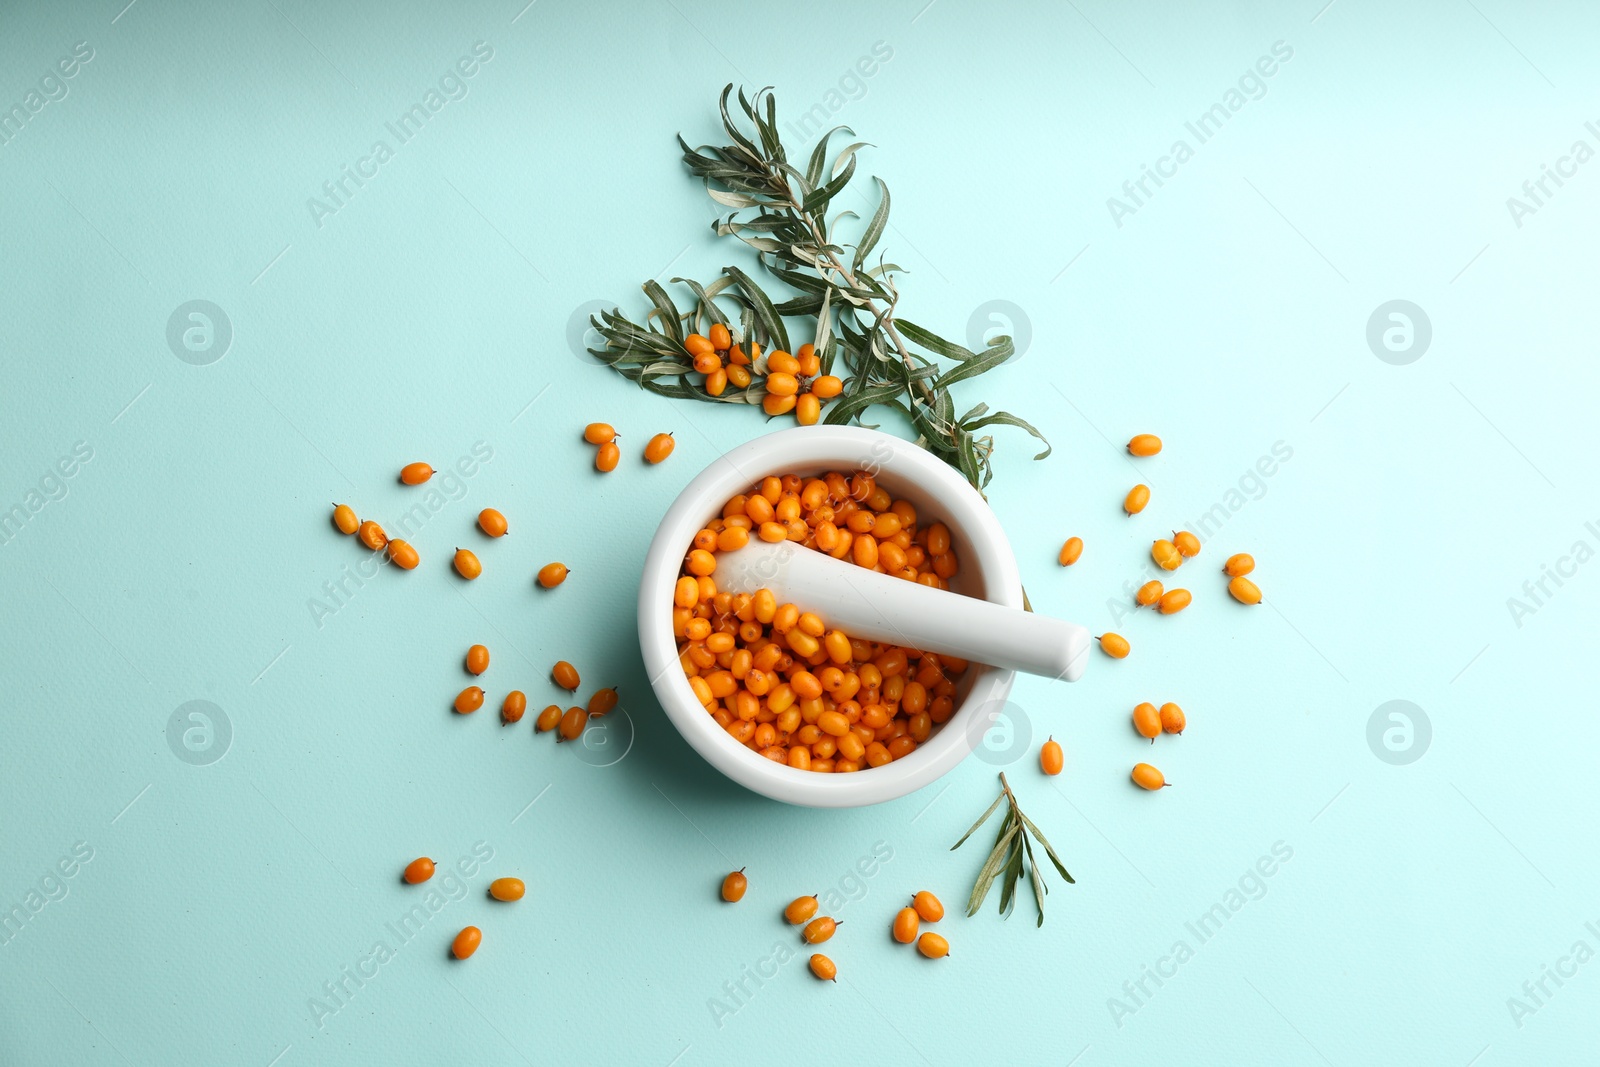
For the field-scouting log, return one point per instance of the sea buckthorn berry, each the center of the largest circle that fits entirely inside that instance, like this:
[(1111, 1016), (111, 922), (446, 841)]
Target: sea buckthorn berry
[(720, 339), (1172, 719), (469, 700), (732, 539), (565, 675), (466, 942), (800, 910), (807, 410), (1145, 444), (827, 387), (514, 706), (716, 382), (777, 405), (418, 870), (415, 473), (659, 447), (1136, 499), (1239, 564), (697, 345), (1147, 720), (1166, 555), (467, 565), (819, 930), (1148, 594), (509, 890), (686, 593), (905, 926), (572, 722), (1071, 551), (700, 563), (781, 384), (492, 522), (824, 968), (1147, 777), (734, 885), (781, 362), (402, 555), (552, 574), (1174, 601), (772, 532), (548, 719), (1114, 645), (477, 659), (602, 702), (606, 457), (1051, 758), (1187, 544), (705, 539), (707, 362), (810, 363), (1244, 590), (928, 906), (372, 535), (933, 946), (598, 433), (344, 519), (738, 377)]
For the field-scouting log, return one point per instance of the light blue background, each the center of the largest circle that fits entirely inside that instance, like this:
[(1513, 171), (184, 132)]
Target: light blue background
[(1227, 314)]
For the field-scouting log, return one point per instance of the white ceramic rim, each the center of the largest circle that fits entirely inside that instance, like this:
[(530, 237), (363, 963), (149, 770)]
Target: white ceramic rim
[(986, 553)]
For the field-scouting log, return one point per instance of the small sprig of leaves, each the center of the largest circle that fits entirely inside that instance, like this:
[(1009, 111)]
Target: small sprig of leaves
[(781, 212), (1011, 849)]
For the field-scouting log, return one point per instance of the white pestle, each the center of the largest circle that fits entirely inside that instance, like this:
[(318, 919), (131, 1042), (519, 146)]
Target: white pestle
[(879, 607)]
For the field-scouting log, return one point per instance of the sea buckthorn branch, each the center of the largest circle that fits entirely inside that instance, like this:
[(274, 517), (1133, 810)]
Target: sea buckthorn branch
[(1012, 847), (882, 360)]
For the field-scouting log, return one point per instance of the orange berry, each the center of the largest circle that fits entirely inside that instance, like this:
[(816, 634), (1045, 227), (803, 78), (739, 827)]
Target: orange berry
[(1114, 645), (603, 701), (777, 405), (807, 410), (659, 448), (1051, 758), (707, 362), (418, 870), (507, 889), (415, 473), (1239, 564), (466, 942), (548, 719), (734, 885), (469, 700), (1145, 444), (824, 968), (827, 386), (344, 518), (781, 384), (800, 909), (1174, 601), (928, 906), (1136, 499), (1070, 551), (598, 433), (1186, 543), (697, 345), (552, 574), (402, 555), (1166, 555), (1148, 594), (1147, 720), (1147, 777), (905, 926), (467, 565), (933, 946), (514, 707), (477, 659), (819, 930), (565, 675), (1244, 590), (721, 340), (372, 535), (492, 522), (606, 457), (1172, 719), (572, 723), (738, 376), (781, 362)]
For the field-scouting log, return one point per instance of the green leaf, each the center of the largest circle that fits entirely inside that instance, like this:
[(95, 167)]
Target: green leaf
[(999, 350), (766, 314), (875, 228), (1001, 799), (671, 320), (1034, 830), (933, 342), (991, 867), (1005, 418)]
